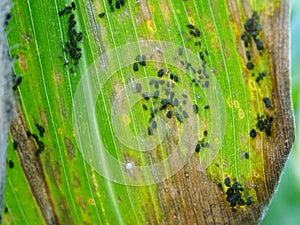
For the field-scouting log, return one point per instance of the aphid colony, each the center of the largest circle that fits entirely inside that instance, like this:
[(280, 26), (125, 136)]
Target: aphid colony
[(116, 4), (71, 46), (234, 193), (164, 100), (39, 143)]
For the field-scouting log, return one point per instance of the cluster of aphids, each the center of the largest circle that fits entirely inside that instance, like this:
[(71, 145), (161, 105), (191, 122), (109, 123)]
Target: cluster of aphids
[(252, 28), (17, 80), (71, 46), (234, 193), (117, 5), (39, 143), (164, 99)]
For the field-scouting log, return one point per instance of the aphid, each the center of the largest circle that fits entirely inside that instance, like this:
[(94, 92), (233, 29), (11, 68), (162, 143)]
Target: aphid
[(246, 155), (249, 201), (118, 4), (176, 102), (122, 2), (71, 17), (185, 115), (61, 12), (206, 107), (110, 2), (15, 145), (178, 117), (145, 107), (41, 129), (259, 44), (73, 43), (72, 52), (78, 56), (150, 131), (79, 36), (197, 148), (17, 80), (175, 77), (68, 9), (169, 114), (250, 65), (145, 96), (227, 181), (72, 23), (101, 15), (253, 133), (135, 67), (248, 55), (268, 102), (143, 62), (205, 132), (180, 51), (206, 52), (11, 164), (171, 76), (73, 5), (138, 87), (201, 55), (112, 7), (190, 26), (195, 108), (156, 94), (161, 82), (160, 73), (154, 124), (197, 32), (156, 84)]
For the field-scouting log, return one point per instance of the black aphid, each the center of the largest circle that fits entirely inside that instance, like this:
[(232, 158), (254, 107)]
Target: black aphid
[(156, 94), (145, 96), (68, 9), (171, 76), (138, 87), (71, 17), (17, 80), (160, 73), (11, 164), (78, 56), (41, 129), (112, 8), (250, 65), (110, 2), (206, 107), (122, 2), (145, 107), (79, 36), (246, 155), (161, 82), (195, 108), (169, 114), (197, 148), (175, 77), (185, 115), (73, 43), (227, 181), (206, 52), (205, 132), (72, 52), (118, 4), (248, 54), (143, 62), (156, 84), (154, 124), (178, 117), (253, 133), (201, 55), (6, 210), (15, 145), (180, 51), (190, 26), (150, 131), (197, 32), (176, 102), (101, 15), (72, 23), (259, 44), (61, 12), (268, 102), (73, 5), (135, 67)]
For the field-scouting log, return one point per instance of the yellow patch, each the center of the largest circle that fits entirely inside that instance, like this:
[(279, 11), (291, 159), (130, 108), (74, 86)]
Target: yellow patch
[(60, 131), (236, 104), (229, 102), (151, 26), (126, 119), (241, 114), (152, 9), (252, 85), (91, 201), (178, 11), (191, 20)]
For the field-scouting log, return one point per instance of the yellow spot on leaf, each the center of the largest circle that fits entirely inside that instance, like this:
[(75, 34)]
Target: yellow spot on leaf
[(191, 20), (178, 11), (126, 119), (229, 101), (91, 201), (60, 131), (252, 85), (236, 104), (241, 114), (151, 26)]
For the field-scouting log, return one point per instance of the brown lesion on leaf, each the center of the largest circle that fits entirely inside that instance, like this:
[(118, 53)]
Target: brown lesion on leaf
[(22, 62), (70, 148), (33, 168)]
